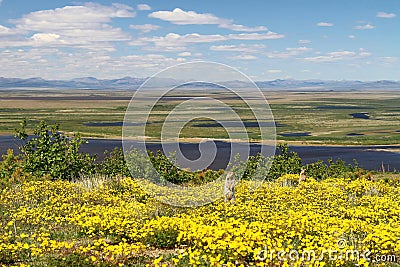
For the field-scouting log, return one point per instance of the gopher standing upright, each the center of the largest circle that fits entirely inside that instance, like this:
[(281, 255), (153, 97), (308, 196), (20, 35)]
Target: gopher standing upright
[(229, 188), (302, 177)]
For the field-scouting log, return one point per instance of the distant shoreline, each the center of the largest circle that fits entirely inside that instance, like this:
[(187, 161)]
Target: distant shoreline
[(198, 140), (290, 143)]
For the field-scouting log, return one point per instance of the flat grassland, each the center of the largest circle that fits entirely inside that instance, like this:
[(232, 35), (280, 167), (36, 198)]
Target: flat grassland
[(346, 117)]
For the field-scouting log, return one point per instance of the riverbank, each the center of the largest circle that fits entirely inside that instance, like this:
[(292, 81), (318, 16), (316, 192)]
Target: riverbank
[(368, 157)]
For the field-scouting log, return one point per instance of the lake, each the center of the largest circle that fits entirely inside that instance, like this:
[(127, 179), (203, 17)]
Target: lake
[(368, 157)]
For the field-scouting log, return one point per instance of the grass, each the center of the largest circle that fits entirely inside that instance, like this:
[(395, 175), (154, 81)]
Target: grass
[(294, 111)]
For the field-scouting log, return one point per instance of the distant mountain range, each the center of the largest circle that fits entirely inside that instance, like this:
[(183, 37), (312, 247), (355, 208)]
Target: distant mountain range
[(79, 83), (134, 83)]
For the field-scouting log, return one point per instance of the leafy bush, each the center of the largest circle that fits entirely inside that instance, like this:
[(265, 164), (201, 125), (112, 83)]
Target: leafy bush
[(114, 163), (285, 162), (167, 169), (289, 162), (10, 169), (206, 176), (52, 154), (333, 169)]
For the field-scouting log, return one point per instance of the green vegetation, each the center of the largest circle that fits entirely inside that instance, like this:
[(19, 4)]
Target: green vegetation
[(327, 118), (325, 115), (49, 154)]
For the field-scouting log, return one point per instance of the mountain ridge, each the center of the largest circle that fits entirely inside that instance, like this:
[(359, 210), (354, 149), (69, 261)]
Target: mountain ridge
[(134, 83)]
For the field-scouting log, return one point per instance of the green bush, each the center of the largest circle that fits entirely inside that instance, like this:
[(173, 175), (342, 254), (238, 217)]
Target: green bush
[(333, 169), (50, 153), (10, 169), (167, 169), (289, 162), (146, 166), (113, 163), (286, 161), (268, 168)]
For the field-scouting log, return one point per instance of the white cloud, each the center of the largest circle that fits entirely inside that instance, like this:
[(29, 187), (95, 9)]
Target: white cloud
[(279, 55), (389, 60), (304, 42), (174, 39), (365, 27), (299, 49), (351, 36), (244, 57), (289, 52), (162, 49), (84, 26), (177, 40), (181, 17), (45, 38), (67, 18), (321, 59), (255, 36), (5, 31), (145, 27), (274, 71), (325, 24), (242, 28), (143, 7), (340, 56), (54, 63), (248, 48), (185, 54), (385, 15), (364, 53)]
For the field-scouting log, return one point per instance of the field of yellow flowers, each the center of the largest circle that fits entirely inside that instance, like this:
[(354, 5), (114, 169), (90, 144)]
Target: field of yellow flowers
[(282, 223)]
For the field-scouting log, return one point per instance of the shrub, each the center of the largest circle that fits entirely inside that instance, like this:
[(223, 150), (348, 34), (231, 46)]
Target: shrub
[(146, 166), (10, 168), (114, 163), (333, 169), (285, 162), (289, 162), (51, 153), (167, 169)]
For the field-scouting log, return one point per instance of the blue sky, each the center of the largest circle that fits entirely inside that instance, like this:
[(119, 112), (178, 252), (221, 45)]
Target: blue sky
[(313, 39)]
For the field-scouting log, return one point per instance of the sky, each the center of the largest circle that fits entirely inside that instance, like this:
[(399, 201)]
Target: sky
[(266, 40)]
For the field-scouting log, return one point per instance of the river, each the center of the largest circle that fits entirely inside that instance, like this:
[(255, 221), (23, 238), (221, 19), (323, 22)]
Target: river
[(368, 157)]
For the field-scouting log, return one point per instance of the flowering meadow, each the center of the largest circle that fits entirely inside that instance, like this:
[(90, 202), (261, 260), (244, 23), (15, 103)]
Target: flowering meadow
[(333, 222)]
